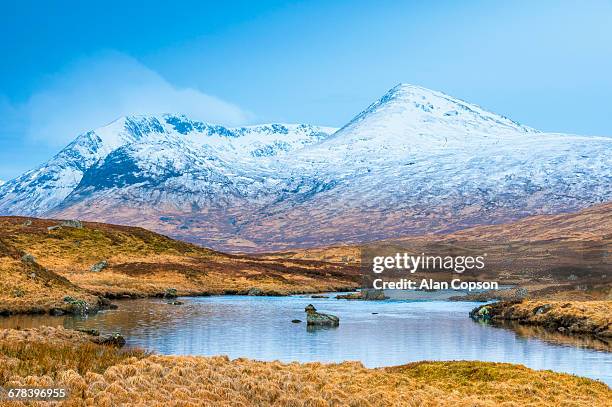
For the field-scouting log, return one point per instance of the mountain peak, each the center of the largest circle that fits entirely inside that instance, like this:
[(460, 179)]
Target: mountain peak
[(408, 108)]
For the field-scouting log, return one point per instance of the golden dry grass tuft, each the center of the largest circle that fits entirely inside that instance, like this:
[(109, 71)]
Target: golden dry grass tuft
[(99, 376)]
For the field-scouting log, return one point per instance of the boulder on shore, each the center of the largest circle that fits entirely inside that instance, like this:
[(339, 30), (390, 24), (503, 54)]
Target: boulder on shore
[(77, 306), (316, 318), (89, 331), (115, 339), (170, 293), (255, 292)]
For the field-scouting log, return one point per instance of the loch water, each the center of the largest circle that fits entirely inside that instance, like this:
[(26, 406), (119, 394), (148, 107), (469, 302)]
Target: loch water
[(376, 333)]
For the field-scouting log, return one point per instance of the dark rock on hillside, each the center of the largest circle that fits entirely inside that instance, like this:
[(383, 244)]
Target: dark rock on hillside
[(28, 258), (99, 266), (73, 223)]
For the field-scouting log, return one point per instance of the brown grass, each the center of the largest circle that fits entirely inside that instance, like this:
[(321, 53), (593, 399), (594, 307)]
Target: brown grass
[(98, 376), (49, 351), (140, 263), (27, 287), (555, 257)]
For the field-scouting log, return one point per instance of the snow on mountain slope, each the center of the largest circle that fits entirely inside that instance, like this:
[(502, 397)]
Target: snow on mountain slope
[(415, 161), (44, 188), (409, 118)]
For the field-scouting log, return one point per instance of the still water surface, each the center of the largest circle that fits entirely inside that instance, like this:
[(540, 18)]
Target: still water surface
[(261, 328)]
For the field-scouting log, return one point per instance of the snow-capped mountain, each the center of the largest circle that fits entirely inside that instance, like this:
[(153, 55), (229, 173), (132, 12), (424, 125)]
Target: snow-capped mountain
[(165, 138), (414, 161)]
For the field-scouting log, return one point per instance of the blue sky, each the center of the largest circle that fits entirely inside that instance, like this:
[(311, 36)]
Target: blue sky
[(72, 66)]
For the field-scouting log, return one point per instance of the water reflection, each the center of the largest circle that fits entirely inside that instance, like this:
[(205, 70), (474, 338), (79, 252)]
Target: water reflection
[(552, 336), (377, 333)]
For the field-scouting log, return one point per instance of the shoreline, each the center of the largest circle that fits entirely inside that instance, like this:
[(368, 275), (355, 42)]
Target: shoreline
[(570, 327), (104, 302), (108, 375), (566, 317)]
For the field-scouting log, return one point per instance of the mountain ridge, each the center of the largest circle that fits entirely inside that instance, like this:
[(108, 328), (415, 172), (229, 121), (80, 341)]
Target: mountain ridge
[(415, 161)]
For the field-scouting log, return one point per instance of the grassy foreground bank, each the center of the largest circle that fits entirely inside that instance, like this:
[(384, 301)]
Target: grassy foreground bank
[(106, 376)]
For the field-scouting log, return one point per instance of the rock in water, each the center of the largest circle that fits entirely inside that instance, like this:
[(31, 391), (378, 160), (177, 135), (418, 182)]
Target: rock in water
[(373, 295), (99, 266), (316, 318), (349, 296), (367, 294)]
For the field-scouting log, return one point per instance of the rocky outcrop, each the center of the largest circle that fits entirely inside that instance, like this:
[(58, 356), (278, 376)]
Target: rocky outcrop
[(349, 296), (367, 294), (373, 295), (319, 319), (77, 306), (73, 223), (575, 317)]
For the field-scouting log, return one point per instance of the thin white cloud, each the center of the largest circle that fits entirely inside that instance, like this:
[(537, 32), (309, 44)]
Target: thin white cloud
[(97, 90)]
